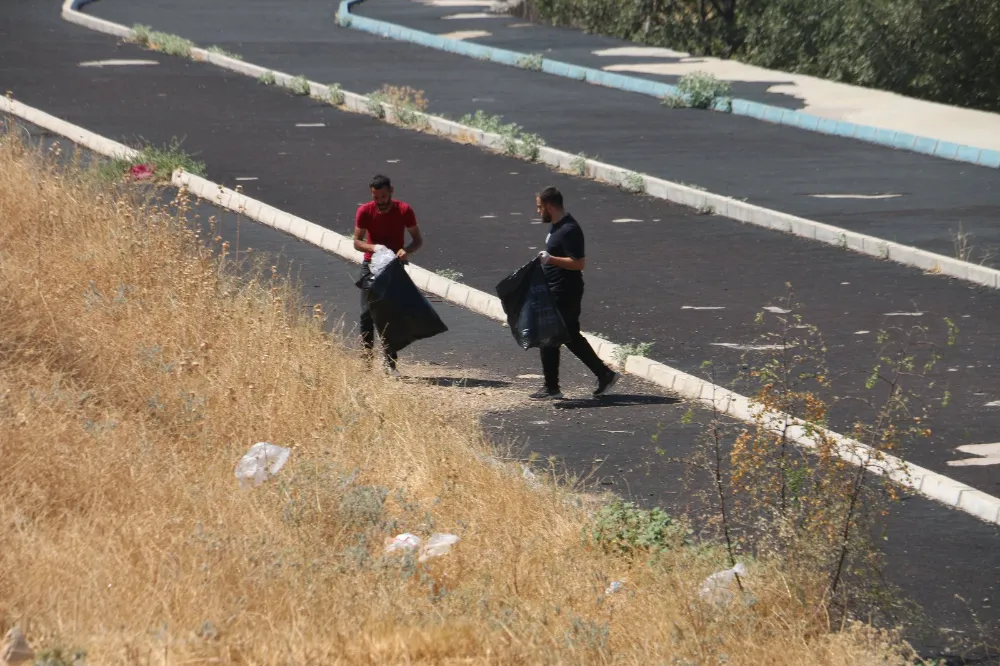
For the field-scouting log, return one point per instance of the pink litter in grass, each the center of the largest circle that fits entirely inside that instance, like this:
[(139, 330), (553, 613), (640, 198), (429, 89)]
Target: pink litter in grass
[(141, 171)]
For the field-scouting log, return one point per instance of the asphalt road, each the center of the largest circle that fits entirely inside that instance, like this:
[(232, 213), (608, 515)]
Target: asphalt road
[(476, 209), (773, 166), (243, 130)]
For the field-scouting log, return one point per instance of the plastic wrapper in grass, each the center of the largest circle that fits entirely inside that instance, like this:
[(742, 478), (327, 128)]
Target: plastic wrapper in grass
[(260, 463)]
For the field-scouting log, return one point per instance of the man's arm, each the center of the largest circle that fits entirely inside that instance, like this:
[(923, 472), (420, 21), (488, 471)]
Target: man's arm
[(568, 263), (359, 241), (573, 245), (416, 242)]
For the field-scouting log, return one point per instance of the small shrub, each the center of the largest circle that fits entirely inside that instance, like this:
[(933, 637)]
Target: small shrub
[(531, 62), (57, 657), (622, 527), (513, 140), (300, 86), (140, 34), (267, 79), (408, 104), (218, 50), (634, 182), (164, 160), (579, 165), (336, 95), (362, 505), (170, 44), (699, 90), (376, 105), (634, 349)]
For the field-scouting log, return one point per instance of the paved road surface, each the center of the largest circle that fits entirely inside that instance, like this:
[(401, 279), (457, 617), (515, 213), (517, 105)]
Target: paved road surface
[(477, 209), (241, 129), (773, 166)]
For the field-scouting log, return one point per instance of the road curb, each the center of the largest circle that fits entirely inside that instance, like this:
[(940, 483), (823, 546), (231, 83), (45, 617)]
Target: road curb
[(741, 107), (701, 200), (920, 480)]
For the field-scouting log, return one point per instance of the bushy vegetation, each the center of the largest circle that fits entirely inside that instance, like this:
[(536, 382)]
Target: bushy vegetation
[(937, 50)]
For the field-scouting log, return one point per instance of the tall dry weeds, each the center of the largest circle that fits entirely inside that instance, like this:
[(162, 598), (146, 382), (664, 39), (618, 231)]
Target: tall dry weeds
[(135, 369)]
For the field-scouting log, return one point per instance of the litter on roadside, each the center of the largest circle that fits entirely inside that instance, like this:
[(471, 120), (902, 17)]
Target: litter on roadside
[(405, 541), (717, 588), (437, 545), (260, 463)]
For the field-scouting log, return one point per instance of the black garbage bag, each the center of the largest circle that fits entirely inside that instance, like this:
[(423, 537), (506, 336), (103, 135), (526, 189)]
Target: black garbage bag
[(402, 315), (531, 312)]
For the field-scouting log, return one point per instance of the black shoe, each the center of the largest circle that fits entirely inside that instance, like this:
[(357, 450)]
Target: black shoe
[(604, 384), (547, 394)]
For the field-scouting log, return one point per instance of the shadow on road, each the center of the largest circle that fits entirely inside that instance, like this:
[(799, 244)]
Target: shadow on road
[(460, 382), (617, 400)]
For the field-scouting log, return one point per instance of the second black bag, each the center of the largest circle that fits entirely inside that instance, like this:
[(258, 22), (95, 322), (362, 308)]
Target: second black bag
[(402, 315), (531, 312)]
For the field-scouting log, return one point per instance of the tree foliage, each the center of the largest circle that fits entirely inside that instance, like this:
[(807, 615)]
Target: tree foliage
[(939, 50)]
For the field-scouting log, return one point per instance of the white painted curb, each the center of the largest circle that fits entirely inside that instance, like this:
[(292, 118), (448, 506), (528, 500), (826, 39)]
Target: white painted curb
[(923, 481), (657, 187)]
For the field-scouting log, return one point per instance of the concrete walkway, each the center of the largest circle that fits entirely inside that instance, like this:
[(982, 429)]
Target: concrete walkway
[(476, 21)]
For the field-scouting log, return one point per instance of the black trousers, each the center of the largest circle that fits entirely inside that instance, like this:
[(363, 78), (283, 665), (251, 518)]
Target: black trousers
[(569, 304), (367, 324)]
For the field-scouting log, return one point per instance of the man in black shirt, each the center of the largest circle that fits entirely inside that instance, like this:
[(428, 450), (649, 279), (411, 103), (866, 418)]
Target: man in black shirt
[(563, 261)]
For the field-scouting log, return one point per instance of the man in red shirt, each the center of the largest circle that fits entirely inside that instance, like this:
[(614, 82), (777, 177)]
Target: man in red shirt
[(382, 221)]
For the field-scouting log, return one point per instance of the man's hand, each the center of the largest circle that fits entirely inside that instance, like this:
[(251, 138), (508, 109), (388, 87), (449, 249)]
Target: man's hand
[(401, 253), (544, 257)]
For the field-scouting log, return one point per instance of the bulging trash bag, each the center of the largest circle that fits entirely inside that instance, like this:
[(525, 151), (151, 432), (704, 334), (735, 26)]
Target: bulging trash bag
[(402, 315), (261, 462), (381, 258), (531, 313)]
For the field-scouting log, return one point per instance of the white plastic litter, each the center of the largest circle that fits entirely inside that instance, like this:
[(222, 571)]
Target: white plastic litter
[(437, 545), (405, 541), (260, 463), (717, 588), (15, 649), (381, 258), (615, 586)]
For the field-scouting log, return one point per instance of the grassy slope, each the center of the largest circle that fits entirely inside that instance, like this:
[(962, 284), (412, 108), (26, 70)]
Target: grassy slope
[(135, 370)]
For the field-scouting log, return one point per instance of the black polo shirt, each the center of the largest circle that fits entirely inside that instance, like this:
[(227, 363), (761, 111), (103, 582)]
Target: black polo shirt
[(565, 239)]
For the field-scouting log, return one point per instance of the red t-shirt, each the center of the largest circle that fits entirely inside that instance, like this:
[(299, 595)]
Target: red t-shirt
[(385, 228)]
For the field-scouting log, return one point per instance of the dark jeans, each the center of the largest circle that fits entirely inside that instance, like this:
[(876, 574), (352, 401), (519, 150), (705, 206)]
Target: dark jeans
[(367, 324), (569, 305)]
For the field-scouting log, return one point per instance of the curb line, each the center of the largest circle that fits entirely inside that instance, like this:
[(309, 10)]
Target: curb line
[(716, 204), (920, 480), (771, 114)]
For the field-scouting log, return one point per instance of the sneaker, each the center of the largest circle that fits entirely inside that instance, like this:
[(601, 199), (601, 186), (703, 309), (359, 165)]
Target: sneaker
[(604, 384), (546, 394)]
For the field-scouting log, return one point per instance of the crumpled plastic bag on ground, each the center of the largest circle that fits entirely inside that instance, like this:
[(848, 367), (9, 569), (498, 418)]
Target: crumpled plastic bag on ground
[(381, 257), (405, 541), (437, 545), (260, 463), (15, 649), (717, 588)]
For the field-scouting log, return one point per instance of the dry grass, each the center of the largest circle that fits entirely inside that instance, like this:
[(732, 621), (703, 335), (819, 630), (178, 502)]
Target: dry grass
[(134, 371)]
